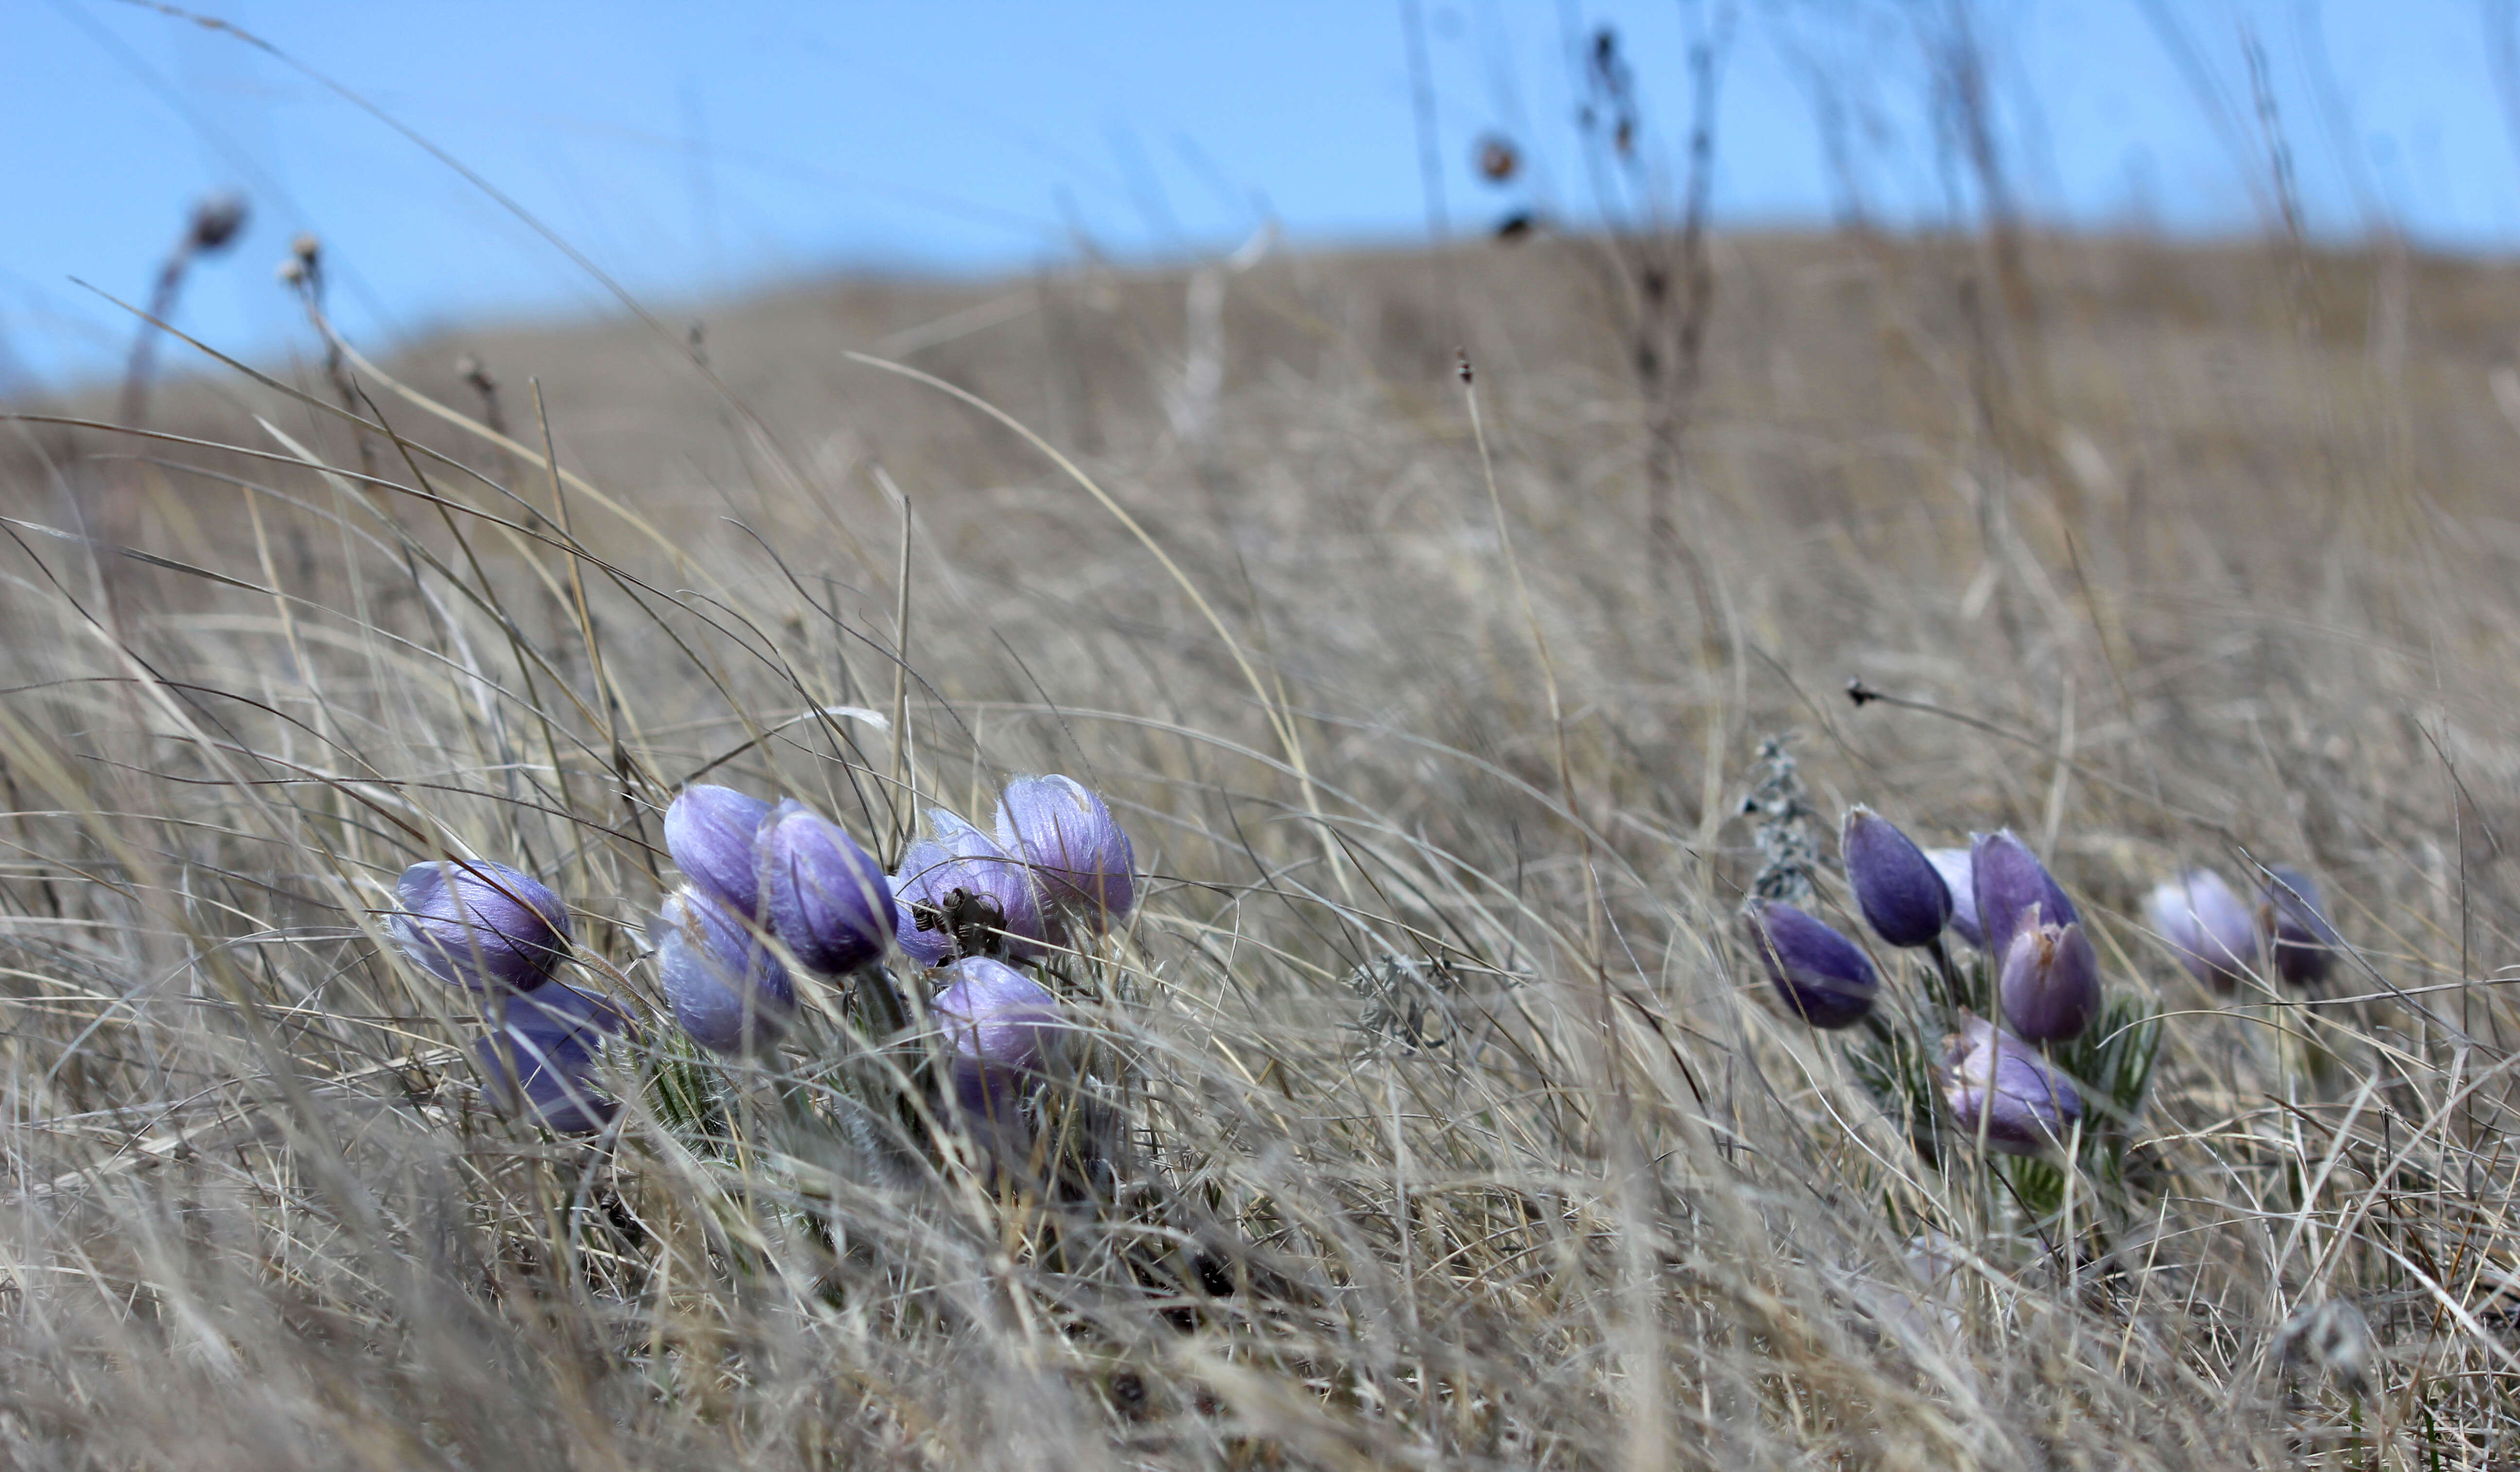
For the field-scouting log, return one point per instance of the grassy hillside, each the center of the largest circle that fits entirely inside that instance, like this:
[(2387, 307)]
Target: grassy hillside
[(1446, 1115)]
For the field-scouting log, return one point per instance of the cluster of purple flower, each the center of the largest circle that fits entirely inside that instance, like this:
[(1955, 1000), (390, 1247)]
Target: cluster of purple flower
[(2218, 937), (962, 905), (766, 886), (1995, 895), (500, 936)]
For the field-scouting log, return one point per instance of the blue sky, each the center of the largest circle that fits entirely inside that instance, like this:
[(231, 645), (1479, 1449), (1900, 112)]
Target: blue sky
[(692, 150)]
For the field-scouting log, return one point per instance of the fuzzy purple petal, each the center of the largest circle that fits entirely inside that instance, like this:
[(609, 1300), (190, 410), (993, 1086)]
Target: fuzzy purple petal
[(1084, 859), (1822, 977), (826, 898), (711, 833), (2207, 926), (729, 993), (1998, 1088), (480, 925)]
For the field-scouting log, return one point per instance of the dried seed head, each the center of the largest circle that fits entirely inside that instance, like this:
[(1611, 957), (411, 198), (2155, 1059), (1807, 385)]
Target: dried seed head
[(2333, 1338), (217, 220), (1499, 161)]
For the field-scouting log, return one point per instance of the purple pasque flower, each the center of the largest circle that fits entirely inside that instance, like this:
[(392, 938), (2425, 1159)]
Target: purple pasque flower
[(1901, 893), (2207, 925), (826, 898), (1998, 1088), (2304, 944), (1959, 877), (960, 894), (480, 925), (2013, 888), (1002, 1029), (2049, 985), (729, 991), (713, 834), (1823, 978), (536, 1062), (1082, 858)]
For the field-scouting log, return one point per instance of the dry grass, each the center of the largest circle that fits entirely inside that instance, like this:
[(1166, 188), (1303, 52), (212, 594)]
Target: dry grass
[(2207, 562)]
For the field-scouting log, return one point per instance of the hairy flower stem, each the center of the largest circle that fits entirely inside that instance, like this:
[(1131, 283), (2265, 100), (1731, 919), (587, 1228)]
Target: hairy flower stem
[(883, 1001), (896, 1054), (1950, 993)]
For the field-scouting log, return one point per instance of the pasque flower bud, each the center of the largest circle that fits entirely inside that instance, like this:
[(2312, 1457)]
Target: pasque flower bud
[(713, 834), (960, 894), (828, 900), (1003, 1032), (729, 993), (2012, 887), (1823, 977), (1082, 858), (2213, 933), (2304, 943), (2050, 983), (1901, 893), (1998, 1087), (535, 1062), (479, 924), (996, 1018), (1959, 877)]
